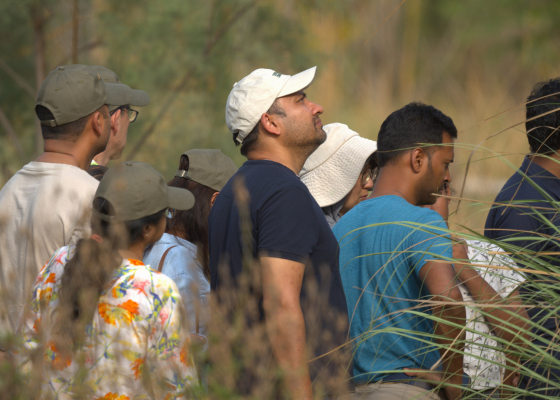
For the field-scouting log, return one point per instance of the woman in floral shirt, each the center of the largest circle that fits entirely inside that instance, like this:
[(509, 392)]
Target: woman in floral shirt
[(110, 327)]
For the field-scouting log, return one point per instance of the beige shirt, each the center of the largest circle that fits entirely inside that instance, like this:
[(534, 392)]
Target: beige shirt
[(43, 207)]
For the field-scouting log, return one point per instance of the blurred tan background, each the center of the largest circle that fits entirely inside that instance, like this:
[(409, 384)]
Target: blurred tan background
[(472, 59)]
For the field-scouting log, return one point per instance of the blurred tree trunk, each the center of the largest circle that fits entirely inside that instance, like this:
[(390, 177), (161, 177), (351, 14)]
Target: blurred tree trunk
[(38, 19), (409, 53), (75, 30)]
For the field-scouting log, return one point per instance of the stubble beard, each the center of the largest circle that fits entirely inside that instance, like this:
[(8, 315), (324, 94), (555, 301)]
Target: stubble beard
[(426, 186), (305, 138)]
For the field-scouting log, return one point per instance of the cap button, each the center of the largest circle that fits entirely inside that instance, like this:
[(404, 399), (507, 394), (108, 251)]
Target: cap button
[(61, 68), (129, 163)]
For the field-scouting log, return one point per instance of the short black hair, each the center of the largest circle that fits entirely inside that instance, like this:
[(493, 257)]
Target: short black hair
[(543, 132), (97, 171), (250, 141), (70, 131), (410, 126)]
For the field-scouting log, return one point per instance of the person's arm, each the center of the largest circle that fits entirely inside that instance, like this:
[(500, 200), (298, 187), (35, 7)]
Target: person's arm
[(439, 279), (507, 316), (282, 280)]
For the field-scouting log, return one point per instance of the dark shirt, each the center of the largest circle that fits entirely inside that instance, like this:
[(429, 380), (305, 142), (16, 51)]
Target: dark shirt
[(532, 231), (285, 222), (532, 228), (524, 227)]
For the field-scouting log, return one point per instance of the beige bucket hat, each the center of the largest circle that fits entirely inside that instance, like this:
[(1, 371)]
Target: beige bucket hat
[(333, 169)]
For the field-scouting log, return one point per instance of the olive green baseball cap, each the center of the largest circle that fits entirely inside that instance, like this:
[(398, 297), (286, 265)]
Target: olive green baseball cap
[(137, 190), (138, 98), (209, 167), (71, 92)]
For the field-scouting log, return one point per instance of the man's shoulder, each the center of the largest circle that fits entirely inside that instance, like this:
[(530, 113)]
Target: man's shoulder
[(47, 173)]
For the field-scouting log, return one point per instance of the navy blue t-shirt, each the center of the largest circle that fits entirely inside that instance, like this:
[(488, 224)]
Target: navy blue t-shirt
[(531, 229), (285, 222), (528, 228)]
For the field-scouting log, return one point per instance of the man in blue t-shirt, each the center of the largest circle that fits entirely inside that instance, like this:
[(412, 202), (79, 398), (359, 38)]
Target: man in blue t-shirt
[(526, 218), (394, 254), (272, 254)]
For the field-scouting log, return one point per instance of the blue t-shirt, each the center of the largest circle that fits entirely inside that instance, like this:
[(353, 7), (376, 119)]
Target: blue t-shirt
[(380, 266), (285, 222)]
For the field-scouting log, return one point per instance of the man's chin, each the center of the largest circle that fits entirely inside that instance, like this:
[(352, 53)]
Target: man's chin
[(322, 136)]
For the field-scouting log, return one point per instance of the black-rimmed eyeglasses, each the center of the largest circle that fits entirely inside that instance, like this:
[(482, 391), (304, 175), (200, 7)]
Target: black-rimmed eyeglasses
[(132, 114)]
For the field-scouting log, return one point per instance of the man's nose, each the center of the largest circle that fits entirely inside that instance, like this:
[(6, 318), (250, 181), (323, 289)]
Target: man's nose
[(316, 109), (447, 176), (369, 184)]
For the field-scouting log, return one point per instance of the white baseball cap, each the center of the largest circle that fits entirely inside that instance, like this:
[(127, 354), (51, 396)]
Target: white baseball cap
[(253, 95), (333, 169)]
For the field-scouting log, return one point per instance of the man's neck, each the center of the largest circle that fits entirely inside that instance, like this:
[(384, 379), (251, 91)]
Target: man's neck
[(64, 152), (550, 163), (281, 156), (390, 183)]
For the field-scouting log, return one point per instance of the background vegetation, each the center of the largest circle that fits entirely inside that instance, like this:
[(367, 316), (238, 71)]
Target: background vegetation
[(471, 59), (475, 60)]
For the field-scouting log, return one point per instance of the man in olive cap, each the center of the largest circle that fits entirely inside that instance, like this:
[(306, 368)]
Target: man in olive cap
[(121, 117), (47, 203)]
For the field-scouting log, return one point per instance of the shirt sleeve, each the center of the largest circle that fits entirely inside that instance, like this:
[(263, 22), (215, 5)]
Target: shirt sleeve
[(523, 227), (287, 225), (429, 240), (503, 281), (172, 369), (29, 326), (182, 268)]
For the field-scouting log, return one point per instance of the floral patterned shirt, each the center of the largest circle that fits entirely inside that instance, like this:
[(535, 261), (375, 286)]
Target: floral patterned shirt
[(135, 347), (483, 358)]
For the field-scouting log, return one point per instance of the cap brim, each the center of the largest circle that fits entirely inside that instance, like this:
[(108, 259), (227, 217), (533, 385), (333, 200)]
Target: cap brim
[(298, 82), (180, 199), (119, 94)]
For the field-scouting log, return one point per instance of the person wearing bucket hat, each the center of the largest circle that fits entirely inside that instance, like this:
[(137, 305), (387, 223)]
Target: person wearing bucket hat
[(121, 117), (340, 173), (278, 127), (182, 252), (97, 297), (45, 204)]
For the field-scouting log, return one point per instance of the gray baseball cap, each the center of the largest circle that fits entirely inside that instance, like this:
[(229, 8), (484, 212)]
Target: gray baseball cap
[(137, 190), (71, 92), (136, 97), (209, 167)]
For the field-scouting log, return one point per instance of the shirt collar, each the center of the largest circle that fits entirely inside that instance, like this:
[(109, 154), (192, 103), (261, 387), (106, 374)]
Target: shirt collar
[(541, 176), (167, 238)]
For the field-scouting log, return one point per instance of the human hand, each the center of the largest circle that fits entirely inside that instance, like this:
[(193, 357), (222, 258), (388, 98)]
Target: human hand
[(434, 377)]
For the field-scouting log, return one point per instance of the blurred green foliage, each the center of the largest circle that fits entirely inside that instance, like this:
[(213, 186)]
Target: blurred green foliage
[(471, 59)]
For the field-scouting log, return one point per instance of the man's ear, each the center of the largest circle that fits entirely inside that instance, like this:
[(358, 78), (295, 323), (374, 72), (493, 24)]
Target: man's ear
[(98, 121), (270, 123), (213, 199), (417, 157), (116, 122)]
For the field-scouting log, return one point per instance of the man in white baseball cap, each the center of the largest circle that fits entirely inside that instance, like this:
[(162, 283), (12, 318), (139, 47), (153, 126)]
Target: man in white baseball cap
[(278, 127)]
